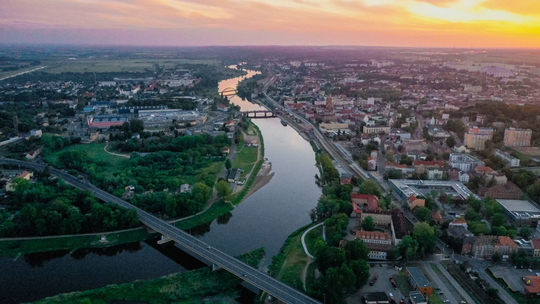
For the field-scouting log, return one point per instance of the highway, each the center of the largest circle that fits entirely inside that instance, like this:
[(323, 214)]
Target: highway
[(186, 241)]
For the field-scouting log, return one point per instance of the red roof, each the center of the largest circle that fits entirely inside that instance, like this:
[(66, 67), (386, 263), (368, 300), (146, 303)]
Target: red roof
[(372, 235), (439, 163), (532, 284), (506, 241), (484, 169), (536, 243), (358, 201), (412, 198)]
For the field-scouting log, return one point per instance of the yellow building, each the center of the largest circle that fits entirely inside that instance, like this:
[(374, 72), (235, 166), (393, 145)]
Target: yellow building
[(517, 137), (476, 138)]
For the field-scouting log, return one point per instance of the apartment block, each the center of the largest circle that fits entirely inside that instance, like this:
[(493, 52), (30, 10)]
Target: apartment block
[(517, 137), (509, 159), (476, 138)]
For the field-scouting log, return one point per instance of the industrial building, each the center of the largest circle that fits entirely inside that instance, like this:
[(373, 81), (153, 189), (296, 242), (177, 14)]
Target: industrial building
[(106, 121), (160, 118), (520, 211), (406, 188)]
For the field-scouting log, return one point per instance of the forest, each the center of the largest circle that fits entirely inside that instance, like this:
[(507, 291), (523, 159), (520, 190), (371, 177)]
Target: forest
[(51, 207)]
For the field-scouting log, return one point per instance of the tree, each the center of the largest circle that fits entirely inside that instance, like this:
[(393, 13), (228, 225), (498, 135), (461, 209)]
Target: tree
[(450, 142), (425, 236), (356, 250), (498, 220), (228, 164), (369, 186), (408, 248), (337, 282), (423, 213), (526, 232), (329, 257), (368, 224), (360, 269), (496, 257), (223, 189)]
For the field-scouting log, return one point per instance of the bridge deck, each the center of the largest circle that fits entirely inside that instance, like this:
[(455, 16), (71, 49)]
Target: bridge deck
[(186, 241)]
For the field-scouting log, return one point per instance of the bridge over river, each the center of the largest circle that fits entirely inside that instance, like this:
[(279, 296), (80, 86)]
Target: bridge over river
[(186, 241)]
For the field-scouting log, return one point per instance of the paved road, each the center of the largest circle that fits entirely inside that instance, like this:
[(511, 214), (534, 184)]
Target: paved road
[(186, 241), (439, 283), (303, 239), (22, 73), (454, 283)]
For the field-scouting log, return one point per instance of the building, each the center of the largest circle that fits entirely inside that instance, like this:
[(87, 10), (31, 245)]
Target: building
[(476, 138), (160, 118), (106, 121), (532, 286), (376, 129), (464, 162), (517, 137), (509, 159), (405, 188), (36, 133), (421, 166), (520, 212), (413, 202), (419, 281), (415, 297), (364, 202), (376, 298), (380, 217), (401, 133), (487, 245), (233, 176), (374, 237), (536, 247), (506, 191)]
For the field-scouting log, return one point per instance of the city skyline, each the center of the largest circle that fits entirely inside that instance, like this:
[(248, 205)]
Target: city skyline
[(400, 23)]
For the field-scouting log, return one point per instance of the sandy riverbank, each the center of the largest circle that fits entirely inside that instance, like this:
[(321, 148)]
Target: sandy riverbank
[(263, 178)]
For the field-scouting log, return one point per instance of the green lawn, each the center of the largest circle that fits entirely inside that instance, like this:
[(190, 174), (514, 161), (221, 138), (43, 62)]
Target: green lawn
[(403, 283), (218, 209), (295, 261), (96, 152), (16, 247), (245, 159), (311, 238)]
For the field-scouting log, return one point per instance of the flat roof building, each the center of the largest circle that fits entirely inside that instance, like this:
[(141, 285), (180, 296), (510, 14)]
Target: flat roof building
[(509, 159), (419, 281), (106, 121), (406, 188), (416, 297), (376, 298), (520, 211)]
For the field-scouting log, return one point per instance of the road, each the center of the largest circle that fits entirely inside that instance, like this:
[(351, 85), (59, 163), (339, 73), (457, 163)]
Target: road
[(22, 73), (439, 283), (186, 241)]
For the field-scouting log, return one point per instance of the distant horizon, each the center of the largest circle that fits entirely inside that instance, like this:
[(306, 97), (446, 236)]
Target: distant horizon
[(469, 24), (268, 45)]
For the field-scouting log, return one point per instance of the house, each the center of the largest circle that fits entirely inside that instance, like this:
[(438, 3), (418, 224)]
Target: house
[(185, 188), (225, 150), (467, 245), (374, 237), (34, 153), (532, 286), (233, 176), (536, 247), (414, 202), (222, 107), (372, 163), (458, 232), (419, 281), (380, 217), (26, 175), (459, 222), (36, 133), (487, 245), (363, 202), (437, 217), (421, 166)]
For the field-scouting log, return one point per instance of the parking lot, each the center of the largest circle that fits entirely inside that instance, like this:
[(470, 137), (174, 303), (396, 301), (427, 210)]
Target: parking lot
[(382, 284), (512, 277)]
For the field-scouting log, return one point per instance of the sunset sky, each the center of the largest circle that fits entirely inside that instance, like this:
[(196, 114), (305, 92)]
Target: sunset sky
[(437, 23)]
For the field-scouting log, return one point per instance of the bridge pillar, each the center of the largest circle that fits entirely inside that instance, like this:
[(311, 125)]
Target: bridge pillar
[(164, 239), (215, 267)]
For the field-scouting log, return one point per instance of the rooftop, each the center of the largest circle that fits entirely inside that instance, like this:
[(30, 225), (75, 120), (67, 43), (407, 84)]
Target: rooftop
[(520, 208), (418, 276), (424, 187)]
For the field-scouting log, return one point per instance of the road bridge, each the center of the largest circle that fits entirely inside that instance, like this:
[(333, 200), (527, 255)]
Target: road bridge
[(260, 114), (186, 241)]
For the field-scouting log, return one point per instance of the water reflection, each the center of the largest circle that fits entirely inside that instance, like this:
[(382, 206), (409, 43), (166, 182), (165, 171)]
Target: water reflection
[(224, 219)]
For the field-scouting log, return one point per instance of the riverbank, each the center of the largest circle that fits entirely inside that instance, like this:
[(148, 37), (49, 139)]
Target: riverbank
[(196, 286)]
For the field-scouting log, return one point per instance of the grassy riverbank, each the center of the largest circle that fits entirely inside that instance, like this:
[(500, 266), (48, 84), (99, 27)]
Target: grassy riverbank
[(288, 265), (196, 286), (17, 247)]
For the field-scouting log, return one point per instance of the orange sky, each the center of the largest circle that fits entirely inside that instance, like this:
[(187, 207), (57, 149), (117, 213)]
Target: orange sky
[(438, 23)]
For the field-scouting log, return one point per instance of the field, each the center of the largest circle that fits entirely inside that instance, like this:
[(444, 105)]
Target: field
[(119, 65), (245, 159), (96, 152)]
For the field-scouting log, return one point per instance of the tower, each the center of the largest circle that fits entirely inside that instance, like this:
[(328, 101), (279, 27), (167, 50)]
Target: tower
[(329, 104)]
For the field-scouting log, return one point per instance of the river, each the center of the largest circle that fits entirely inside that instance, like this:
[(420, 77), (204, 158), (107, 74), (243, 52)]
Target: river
[(264, 219)]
